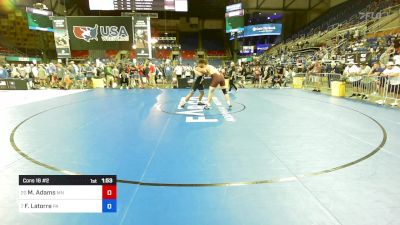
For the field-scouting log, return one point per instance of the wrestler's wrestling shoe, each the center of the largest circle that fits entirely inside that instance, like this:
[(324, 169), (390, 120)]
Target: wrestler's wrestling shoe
[(182, 104)]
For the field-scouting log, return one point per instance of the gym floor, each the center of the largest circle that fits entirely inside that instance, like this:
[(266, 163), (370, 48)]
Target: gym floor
[(278, 157)]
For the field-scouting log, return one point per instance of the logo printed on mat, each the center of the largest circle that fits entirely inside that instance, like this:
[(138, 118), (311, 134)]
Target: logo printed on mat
[(195, 113)]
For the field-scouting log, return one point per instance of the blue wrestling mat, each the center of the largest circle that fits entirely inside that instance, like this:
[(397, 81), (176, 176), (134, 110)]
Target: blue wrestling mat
[(277, 157)]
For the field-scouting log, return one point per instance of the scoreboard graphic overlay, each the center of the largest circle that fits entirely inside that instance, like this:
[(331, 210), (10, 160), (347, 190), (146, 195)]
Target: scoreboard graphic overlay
[(67, 193), (140, 5)]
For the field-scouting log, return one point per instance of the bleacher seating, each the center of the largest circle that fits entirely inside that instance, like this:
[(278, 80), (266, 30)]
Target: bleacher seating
[(189, 40), (341, 21), (14, 29), (344, 15), (216, 53), (163, 54), (212, 40), (189, 62), (111, 53), (337, 14), (6, 51), (80, 54), (215, 62), (188, 54)]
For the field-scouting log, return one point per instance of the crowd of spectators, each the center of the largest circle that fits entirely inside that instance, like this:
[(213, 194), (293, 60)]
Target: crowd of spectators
[(81, 75), (276, 70), (353, 60), (375, 57)]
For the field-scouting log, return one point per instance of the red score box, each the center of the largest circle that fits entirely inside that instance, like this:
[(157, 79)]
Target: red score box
[(109, 191)]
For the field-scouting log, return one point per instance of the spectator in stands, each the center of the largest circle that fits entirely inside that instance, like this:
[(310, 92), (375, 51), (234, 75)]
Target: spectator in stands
[(99, 70), (288, 75), (168, 72), (365, 69), (257, 76), (60, 71), (375, 74), (159, 74), (188, 71), (68, 80), (34, 73), (73, 70), (8, 68), (248, 71), (89, 72), (270, 76), (132, 71), (376, 69), (108, 71), (121, 67), (352, 72), (116, 76), (299, 66), (42, 75), (152, 75), (384, 58), (315, 72), (178, 71), (330, 70), (142, 75), (21, 71), (79, 77), (241, 76), (146, 71), (278, 76), (103, 77), (393, 73), (124, 80), (52, 71), (28, 71), (366, 83), (264, 76), (3, 72), (339, 68), (137, 78)]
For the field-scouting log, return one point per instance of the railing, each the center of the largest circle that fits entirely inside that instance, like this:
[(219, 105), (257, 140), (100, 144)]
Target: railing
[(378, 89), (318, 81)]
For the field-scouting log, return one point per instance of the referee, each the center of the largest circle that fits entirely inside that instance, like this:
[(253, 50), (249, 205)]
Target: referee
[(232, 77)]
